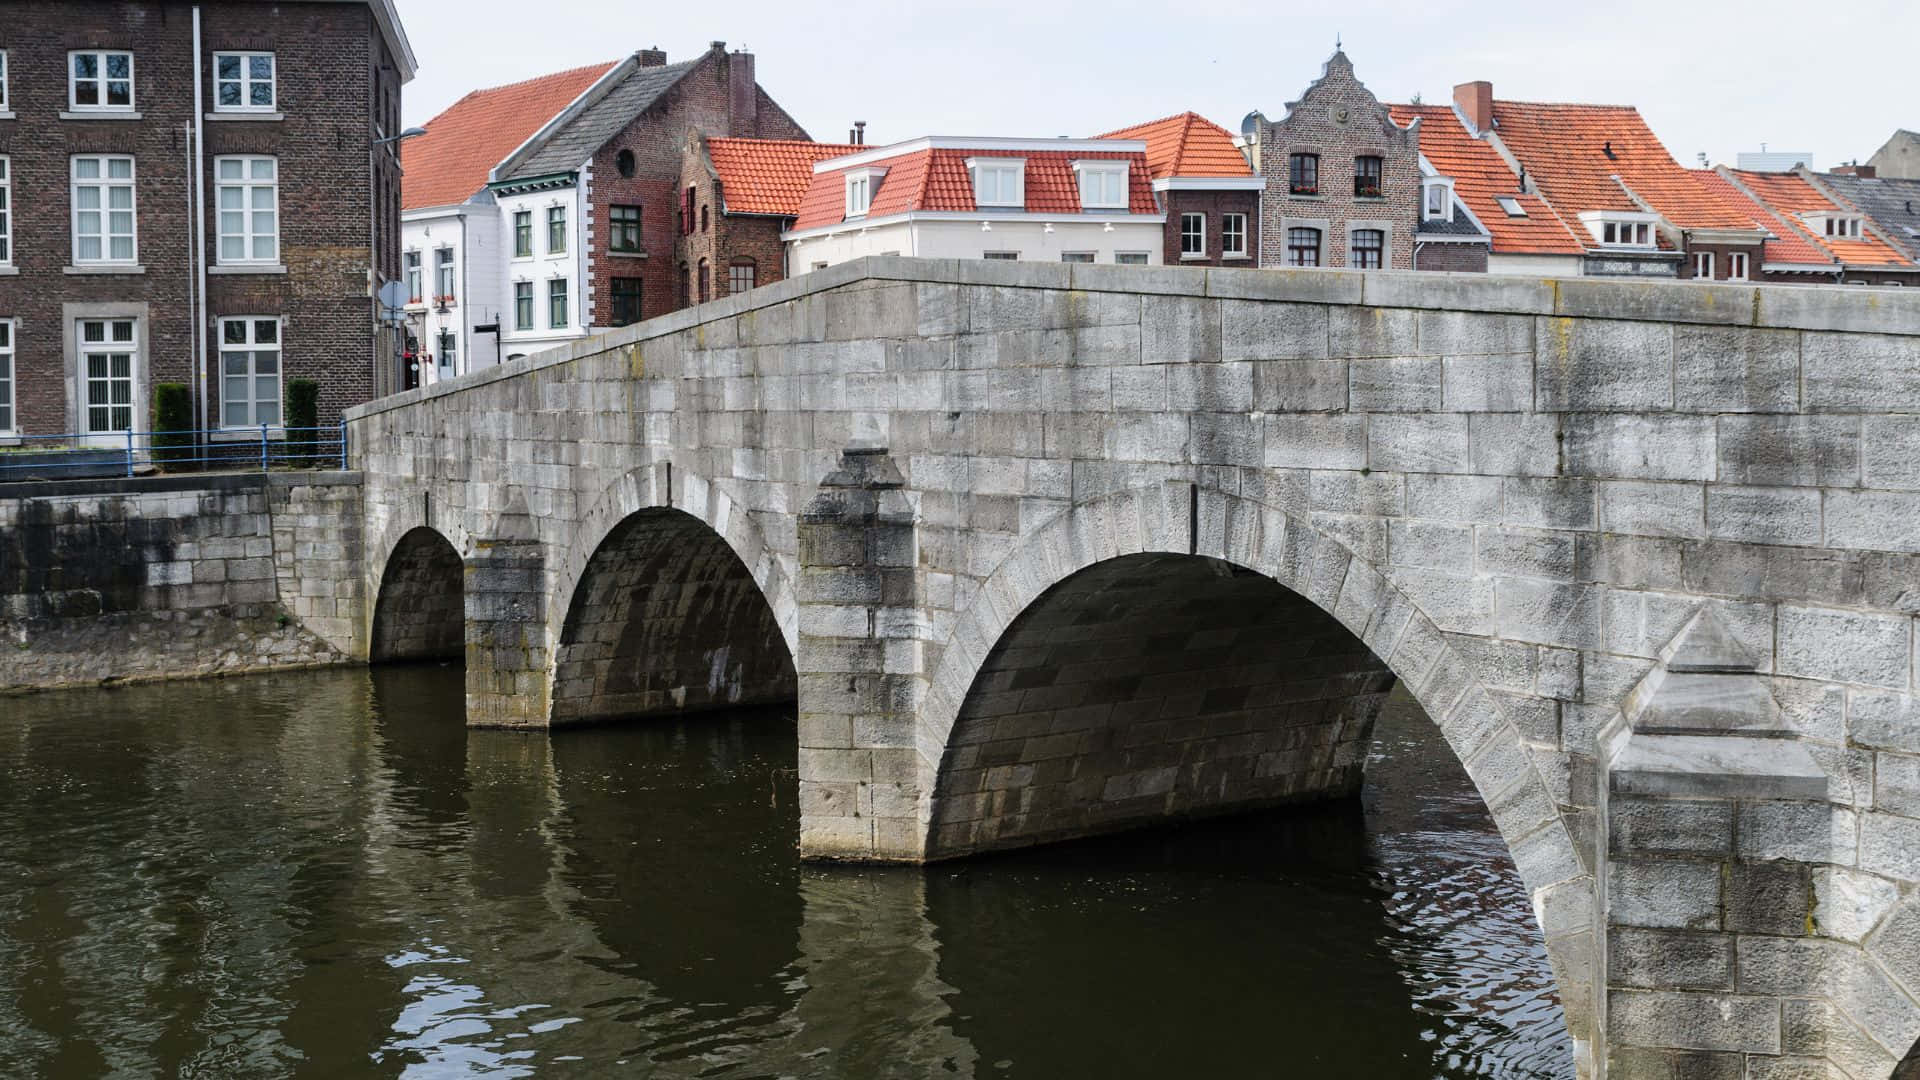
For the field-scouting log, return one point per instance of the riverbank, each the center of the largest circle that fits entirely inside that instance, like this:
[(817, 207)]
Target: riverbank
[(148, 579)]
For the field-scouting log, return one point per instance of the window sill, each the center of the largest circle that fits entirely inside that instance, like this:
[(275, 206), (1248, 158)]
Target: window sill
[(246, 268), (9, 271), (9, 439), (626, 254), (1369, 198), (1307, 198), (246, 116), (104, 114), (1242, 257), (116, 268), (9, 114), (252, 435), (1193, 257)]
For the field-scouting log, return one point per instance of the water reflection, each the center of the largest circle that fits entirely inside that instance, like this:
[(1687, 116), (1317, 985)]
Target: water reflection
[(327, 875)]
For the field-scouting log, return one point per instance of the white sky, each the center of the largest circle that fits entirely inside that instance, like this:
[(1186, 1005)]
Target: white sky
[(1718, 76)]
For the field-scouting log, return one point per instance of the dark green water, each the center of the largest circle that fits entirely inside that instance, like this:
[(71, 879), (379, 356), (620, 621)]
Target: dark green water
[(327, 875)]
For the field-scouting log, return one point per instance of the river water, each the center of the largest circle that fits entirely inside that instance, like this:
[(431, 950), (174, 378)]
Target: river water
[(326, 874)]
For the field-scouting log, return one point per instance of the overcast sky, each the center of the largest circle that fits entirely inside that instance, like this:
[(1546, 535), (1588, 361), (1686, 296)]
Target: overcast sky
[(1712, 76)]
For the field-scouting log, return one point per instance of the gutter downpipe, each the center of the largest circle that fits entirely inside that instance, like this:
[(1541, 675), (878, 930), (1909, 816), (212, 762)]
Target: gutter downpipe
[(199, 335)]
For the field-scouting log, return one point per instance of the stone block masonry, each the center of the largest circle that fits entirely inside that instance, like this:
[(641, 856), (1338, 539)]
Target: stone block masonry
[(1512, 494), (176, 577)]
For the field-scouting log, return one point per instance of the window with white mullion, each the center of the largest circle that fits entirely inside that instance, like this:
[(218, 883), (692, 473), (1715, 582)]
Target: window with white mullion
[(3, 80), (100, 80), (1736, 266), (6, 211), (108, 351), (248, 196), (998, 182), (1703, 265), (7, 419), (250, 372), (1103, 186), (104, 229), (243, 82)]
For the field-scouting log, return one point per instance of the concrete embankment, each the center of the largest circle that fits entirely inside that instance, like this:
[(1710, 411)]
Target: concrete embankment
[(177, 577)]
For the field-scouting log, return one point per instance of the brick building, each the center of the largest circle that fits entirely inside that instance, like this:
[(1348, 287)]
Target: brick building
[(1206, 188), (582, 224), (193, 193), (1816, 236), (754, 187), (1342, 179)]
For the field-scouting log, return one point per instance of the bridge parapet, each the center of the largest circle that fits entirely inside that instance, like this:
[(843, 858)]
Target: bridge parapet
[(1517, 494)]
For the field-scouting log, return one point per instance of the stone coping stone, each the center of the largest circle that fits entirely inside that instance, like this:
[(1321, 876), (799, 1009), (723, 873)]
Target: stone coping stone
[(1802, 307), (143, 485), (1716, 766)]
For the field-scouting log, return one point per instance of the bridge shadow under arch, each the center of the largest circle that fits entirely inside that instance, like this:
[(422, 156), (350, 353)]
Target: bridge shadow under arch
[(666, 618), (420, 613)]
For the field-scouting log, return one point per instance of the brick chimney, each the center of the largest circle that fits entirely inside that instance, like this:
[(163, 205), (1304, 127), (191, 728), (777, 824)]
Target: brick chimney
[(743, 99), (654, 57), (1475, 102)]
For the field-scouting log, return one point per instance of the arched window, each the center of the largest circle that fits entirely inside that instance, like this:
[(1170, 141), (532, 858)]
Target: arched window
[(623, 162), (703, 217), (740, 275), (1303, 247), (705, 283)]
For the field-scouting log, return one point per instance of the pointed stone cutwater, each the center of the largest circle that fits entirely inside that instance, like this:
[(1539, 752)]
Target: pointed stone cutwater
[(1706, 724)]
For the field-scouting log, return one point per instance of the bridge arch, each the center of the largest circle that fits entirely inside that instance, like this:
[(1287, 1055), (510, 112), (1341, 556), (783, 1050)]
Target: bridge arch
[(1307, 580), (420, 610), (678, 604)]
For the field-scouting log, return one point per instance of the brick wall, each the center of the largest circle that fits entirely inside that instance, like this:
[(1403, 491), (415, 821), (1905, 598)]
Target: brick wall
[(1466, 258), (1213, 204), (699, 102), (332, 74), (1339, 119)]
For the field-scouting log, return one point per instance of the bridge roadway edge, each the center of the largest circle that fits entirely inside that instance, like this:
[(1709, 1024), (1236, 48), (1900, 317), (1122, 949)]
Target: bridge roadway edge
[(1557, 645)]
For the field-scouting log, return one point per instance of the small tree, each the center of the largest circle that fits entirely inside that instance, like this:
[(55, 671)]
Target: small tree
[(303, 422), (172, 425)]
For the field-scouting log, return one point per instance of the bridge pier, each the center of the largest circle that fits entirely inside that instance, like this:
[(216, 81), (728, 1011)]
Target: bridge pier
[(509, 653)]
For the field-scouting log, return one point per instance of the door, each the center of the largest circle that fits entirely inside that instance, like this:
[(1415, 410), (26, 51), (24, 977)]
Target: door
[(109, 363)]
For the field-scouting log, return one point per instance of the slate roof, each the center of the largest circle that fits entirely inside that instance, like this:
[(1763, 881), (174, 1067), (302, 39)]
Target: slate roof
[(1186, 145), (934, 178), (1789, 195), (449, 164), (1893, 204), (1480, 176), (573, 142), (768, 176)]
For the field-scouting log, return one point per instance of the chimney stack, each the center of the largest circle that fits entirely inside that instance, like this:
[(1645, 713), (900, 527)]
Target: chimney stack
[(1475, 102), (654, 57), (858, 136), (743, 98)]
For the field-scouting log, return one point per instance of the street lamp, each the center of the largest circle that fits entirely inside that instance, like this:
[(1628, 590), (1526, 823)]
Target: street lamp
[(407, 134)]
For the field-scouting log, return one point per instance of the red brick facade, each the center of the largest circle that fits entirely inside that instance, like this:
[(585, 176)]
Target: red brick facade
[(1459, 258), (723, 240), (1339, 120), (712, 99), (335, 82), (1213, 205)]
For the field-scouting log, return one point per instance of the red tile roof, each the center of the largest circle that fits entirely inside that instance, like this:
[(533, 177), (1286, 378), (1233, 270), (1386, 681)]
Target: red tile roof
[(936, 179), (1186, 145), (1789, 195), (1480, 176), (450, 162), (1784, 243), (768, 176)]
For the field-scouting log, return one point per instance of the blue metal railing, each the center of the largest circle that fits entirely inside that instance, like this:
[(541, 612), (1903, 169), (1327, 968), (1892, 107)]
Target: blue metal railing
[(125, 453)]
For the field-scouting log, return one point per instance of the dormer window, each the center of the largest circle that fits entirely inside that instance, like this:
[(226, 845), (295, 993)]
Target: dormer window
[(860, 187), (1833, 226), (1103, 184), (998, 181), (1436, 203), (1620, 229)]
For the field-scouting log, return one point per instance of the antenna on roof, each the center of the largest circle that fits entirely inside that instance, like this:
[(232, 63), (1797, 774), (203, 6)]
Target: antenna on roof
[(1336, 41), (1607, 149)]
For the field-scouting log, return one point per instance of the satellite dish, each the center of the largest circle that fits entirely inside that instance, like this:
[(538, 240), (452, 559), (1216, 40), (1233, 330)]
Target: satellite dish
[(1250, 124), (393, 297)]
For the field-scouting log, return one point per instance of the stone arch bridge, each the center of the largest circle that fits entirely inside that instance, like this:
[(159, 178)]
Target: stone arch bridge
[(1048, 550)]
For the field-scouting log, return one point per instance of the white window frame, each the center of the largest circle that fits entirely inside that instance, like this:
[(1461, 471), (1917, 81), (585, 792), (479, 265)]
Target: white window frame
[(100, 62), (247, 183), (1703, 265), (517, 297), (1226, 250), (1737, 266), (413, 270), (1187, 220), (252, 347), (105, 183), (1443, 187), (565, 296), (1002, 169), (1113, 180), (559, 209), (85, 379), (6, 210), (1627, 231), (444, 266), (9, 386), (1132, 258), (526, 212), (859, 195), (247, 82), (3, 80)]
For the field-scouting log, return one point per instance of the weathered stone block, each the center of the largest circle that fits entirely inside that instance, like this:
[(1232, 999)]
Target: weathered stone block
[(1593, 365), (1845, 646)]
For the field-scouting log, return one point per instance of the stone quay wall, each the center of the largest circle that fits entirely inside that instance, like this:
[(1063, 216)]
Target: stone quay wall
[(126, 580)]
